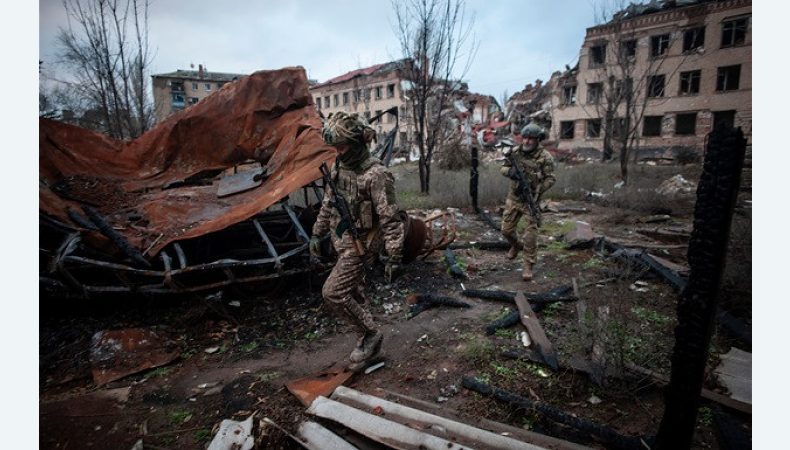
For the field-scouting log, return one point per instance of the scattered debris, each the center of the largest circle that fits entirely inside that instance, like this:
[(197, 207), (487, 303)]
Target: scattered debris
[(233, 435), (676, 185), (581, 236), (735, 373), (539, 338), (422, 302), (374, 367), (316, 437), (118, 353), (654, 218), (594, 400), (309, 388), (211, 350), (432, 376), (453, 266), (523, 336)]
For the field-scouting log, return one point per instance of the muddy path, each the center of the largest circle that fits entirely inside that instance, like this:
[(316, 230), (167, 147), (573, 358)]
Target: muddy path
[(240, 346)]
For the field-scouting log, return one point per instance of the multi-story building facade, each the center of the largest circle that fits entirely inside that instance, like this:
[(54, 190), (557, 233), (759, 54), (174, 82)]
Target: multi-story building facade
[(687, 64), (368, 91), (177, 90)]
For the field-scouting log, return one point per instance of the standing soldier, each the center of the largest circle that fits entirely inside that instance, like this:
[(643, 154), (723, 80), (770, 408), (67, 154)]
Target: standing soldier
[(538, 166), (369, 189)]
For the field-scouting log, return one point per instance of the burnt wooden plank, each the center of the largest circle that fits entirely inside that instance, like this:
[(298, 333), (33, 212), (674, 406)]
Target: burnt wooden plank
[(539, 338)]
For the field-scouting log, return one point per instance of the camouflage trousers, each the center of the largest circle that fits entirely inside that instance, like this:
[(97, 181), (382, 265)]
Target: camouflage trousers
[(343, 291), (514, 210)]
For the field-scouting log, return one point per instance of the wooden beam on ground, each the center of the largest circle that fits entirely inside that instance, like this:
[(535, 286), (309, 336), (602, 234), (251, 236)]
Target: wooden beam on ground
[(429, 423), (541, 342), (378, 428)]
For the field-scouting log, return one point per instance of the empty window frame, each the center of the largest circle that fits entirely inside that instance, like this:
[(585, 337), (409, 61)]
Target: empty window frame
[(651, 126), (567, 129), (594, 93), (659, 45), (733, 32), (402, 138), (326, 102), (619, 128), (318, 102), (378, 92), (623, 88), (686, 124), (569, 95), (193, 100), (628, 49), (728, 78), (689, 82), (390, 90), (207, 86), (723, 119), (593, 128), (693, 39), (345, 98), (598, 55), (655, 86), (194, 86)]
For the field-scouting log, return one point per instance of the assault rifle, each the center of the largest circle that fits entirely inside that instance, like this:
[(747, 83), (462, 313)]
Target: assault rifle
[(346, 219), (524, 189)]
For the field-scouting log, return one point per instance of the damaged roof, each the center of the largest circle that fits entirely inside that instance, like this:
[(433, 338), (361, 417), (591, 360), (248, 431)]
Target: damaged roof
[(200, 75), (376, 69), (162, 186)]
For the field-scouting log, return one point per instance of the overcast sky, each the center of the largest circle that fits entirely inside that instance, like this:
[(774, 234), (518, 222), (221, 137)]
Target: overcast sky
[(519, 41)]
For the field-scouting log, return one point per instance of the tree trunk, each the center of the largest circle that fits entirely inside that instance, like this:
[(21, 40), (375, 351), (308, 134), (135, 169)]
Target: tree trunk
[(716, 197)]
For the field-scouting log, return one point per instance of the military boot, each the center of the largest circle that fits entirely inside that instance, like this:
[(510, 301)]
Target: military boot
[(513, 252), (368, 347), (526, 274)]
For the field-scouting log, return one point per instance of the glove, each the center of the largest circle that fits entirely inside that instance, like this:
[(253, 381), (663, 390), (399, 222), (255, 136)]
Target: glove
[(392, 269), (315, 246)]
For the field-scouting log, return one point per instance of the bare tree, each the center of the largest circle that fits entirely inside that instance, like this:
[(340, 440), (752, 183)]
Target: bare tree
[(436, 40), (626, 79), (106, 52)]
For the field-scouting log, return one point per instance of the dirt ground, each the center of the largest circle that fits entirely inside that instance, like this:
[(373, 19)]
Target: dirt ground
[(281, 331)]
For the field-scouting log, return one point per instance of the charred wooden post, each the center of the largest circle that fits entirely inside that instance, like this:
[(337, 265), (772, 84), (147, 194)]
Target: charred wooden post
[(452, 264), (558, 294), (422, 302), (474, 177), (716, 196), (115, 237), (609, 437)]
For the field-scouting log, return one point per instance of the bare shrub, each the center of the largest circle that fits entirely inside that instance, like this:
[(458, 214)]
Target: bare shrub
[(450, 188), (453, 155)]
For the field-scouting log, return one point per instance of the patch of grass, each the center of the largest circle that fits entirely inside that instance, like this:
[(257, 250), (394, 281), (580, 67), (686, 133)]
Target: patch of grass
[(556, 246), (312, 335), (593, 263), (179, 417), (705, 416), (649, 315), (202, 435), (503, 371), (250, 346), (556, 228), (552, 309), (479, 352), (485, 377), (158, 372), (496, 315), (505, 333), (266, 377), (449, 188)]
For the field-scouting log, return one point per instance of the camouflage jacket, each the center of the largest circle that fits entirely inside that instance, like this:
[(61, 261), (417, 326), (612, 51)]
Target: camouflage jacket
[(370, 193), (538, 166)]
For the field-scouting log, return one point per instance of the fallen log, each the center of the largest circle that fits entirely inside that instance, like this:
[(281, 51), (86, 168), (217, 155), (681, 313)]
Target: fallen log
[(559, 294), (540, 340), (605, 434), (422, 302)]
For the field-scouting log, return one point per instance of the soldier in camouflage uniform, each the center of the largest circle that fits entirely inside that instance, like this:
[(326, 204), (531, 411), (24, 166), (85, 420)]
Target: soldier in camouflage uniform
[(538, 166), (369, 189)]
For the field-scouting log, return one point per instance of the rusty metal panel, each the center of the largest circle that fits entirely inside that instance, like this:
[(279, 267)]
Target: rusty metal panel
[(118, 353)]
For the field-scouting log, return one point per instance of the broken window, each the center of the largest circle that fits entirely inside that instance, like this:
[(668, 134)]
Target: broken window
[(194, 86), (593, 128), (619, 128), (345, 98), (403, 138), (733, 32), (693, 39), (655, 86), (628, 49), (652, 126), (390, 90), (623, 88), (177, 86), (378, 92), (193, 100), (689, 82), (659, 45), (723, 119), (569, 95), (318, 102), (594, 92), (178, 101), (326, 102), (566, 129), (597, 55), (367, 94), (686, 123), (336, 99), (208, 86), (728, 78)]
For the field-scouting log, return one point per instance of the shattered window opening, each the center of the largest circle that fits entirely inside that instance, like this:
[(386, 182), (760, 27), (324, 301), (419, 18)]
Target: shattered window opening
[(723, 119), (336, 99), (686, 124), (652, 126), (655, 86), (569, 95), (194, 86), (390, 90), (733, 32), (659, 45), (689, 82), (345, 98), (326, 102), (567, 129), (208, 86), (619, 128), (378, 92), (594, 92), (728, 78), (628, 49), (593, 128), (598, 55), (693, 39)]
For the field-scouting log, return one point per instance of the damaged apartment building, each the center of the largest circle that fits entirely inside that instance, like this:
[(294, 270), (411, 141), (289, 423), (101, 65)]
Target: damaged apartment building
[(683, 67), (177, 90)]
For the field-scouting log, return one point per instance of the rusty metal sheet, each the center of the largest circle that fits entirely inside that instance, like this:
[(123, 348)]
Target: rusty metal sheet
[(268, 117), (309, 388), (240, 182), (118, 353)]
